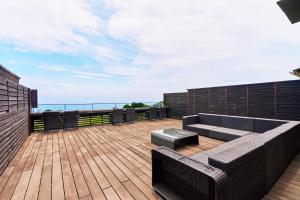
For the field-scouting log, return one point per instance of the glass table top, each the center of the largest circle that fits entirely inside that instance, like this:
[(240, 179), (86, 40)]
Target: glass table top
[(175, 133)]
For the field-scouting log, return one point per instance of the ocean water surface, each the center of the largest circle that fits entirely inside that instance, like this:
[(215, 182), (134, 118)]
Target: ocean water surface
[(70, 107)]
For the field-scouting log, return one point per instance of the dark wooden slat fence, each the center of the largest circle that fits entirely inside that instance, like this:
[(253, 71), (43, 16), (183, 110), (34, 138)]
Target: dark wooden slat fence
[(277, 100), (5, 73), (14, 117), (176, 103)]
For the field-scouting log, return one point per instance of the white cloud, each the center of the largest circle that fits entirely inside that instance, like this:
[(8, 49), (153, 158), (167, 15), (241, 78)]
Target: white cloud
[(76, 73), (186, 44), (90, 77), (101, 52), (48, 25), (57, 90), (54, 68), (207, 29), (21, 50), (180, 44)]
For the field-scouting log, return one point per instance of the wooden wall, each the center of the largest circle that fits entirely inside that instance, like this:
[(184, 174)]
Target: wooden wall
[(14, 119), (177, 104), (5, 73), (278, 100)]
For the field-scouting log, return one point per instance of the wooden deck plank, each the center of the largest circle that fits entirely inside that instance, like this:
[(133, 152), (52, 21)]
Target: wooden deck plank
[(88, 197), (103, 162), (288, 186), (118, 173), (81, 185), (34, 184), (146, 189), (134, 191), (11, 183), (91, 181), (68, 179), (111, 194), (45, 191), (5, 176), (102, 181), (21, 187), (111, 177), (57, 177)]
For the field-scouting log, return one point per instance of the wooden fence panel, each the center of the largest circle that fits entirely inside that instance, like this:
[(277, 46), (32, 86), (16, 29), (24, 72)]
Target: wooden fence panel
[(274, 100), (236, 100), (288, 100), (14, 119), (191, 102), (261, 100), (216, 99), (201, 101), (177, 104)]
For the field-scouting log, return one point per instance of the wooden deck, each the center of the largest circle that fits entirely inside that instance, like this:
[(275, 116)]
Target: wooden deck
[(288, 186), (102, 162)]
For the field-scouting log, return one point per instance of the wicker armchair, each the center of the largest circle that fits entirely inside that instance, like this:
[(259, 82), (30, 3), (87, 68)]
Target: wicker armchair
[(178, 177), (162, 113), (152, 114), (116, 117), (51, 121), (71, 119), (244, 165), (130, 115)]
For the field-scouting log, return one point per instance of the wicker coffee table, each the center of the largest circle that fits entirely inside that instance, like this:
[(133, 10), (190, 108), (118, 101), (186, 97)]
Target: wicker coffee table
[(174, 138)]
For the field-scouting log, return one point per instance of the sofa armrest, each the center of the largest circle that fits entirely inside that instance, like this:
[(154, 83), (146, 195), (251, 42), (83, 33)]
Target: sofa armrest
[(174, 175), (244, 165), (282, 144), (192, 119)]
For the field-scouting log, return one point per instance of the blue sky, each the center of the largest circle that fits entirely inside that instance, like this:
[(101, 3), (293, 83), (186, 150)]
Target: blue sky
[(135, 50)]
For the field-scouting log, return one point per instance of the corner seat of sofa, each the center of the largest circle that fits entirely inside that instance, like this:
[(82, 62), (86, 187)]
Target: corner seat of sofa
[(227, 145), (200, 157), (201, 129), (227, 134), (203, 126)]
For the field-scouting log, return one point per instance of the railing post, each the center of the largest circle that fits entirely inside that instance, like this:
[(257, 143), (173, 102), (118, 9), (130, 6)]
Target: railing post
[(31, 124), (247, 101), (92, 106), (275, 100), (65, 107), (225, 98), (31, 120)]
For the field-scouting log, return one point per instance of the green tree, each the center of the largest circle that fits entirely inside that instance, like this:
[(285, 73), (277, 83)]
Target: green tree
[(136, 105), (296, 72)]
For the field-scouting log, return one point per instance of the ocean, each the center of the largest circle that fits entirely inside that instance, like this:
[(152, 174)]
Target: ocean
[(70, 107)]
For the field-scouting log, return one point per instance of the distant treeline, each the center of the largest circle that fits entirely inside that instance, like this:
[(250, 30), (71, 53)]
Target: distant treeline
[(142, 105)]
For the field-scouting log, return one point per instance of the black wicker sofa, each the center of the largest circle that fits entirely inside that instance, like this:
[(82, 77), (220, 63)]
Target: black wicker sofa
[(227, 128), (244, 168)]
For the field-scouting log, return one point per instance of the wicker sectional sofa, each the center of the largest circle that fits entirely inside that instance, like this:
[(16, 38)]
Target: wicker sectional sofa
[(245, 167), (227, 128)]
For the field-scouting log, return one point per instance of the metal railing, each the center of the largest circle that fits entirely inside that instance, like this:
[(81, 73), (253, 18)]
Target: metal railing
[(86, 118), (82, 106)]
